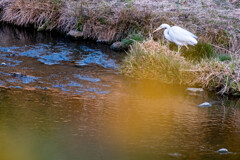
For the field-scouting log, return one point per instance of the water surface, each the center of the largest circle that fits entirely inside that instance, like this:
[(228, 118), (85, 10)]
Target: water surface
[(64, 99)]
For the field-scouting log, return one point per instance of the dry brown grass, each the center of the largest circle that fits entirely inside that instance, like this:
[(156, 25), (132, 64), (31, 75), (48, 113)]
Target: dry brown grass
[(25, 12), (109, 22), (100, 20), (223, 77)]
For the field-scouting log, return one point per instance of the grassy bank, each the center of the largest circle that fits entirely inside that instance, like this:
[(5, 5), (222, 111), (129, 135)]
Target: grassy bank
[(152, 60), (215, 22)]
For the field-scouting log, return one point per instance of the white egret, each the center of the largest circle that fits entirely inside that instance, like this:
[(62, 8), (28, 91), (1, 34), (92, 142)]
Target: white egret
[(178, 35)]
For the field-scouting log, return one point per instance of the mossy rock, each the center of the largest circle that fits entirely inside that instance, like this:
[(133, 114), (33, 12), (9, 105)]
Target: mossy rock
[(119, 46)]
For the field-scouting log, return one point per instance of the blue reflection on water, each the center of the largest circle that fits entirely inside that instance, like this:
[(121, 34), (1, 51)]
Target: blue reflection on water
[(96, 57), (87, 78), (7, 52), (51, 54)]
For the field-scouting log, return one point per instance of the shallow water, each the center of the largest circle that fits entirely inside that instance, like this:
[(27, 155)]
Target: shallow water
[(64, 99)]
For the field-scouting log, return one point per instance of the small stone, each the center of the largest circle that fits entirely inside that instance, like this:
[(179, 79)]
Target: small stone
[(174, 154), (45, 88), (75, 34), (18, 87), (18, 75), (102, 41), (205, 104), (195, 90), (3, 64), (223, 151), (37, 87), (118, 46)]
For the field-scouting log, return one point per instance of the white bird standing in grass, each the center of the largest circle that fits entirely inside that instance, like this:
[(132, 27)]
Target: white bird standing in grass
[(178, 35)]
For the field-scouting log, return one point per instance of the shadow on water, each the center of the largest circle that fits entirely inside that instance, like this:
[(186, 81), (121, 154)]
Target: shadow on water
[(64, 99)]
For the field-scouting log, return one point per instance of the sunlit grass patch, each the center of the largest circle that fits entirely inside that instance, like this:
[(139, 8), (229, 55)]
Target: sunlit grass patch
[(152, 60)]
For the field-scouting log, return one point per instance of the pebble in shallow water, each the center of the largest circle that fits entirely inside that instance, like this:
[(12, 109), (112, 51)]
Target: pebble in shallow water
[(205, 104), (18, 75), (174, 154), (18, 87), (3, 64), (223, 151), (195, 90)]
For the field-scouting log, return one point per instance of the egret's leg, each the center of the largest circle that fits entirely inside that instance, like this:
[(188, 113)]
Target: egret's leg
[(186, 47), (168, 43), (179, 47)]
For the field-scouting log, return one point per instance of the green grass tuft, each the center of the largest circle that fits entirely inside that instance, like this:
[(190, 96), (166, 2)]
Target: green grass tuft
[(224, 57), (132, 38), (199, 51), (196, 53)]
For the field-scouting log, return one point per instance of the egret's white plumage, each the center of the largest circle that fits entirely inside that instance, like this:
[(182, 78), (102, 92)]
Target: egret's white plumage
[(178, 35)]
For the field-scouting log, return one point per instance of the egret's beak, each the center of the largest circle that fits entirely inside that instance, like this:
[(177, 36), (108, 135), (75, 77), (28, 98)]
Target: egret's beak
[(157, 29)]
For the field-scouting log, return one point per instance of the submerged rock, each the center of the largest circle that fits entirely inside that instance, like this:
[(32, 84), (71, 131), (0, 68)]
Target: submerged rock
[(18, 75), (18, 87), (205, 104), (195, 90), (223, 151), (103, 41), (75, 34), (118, 46), (174, 154)]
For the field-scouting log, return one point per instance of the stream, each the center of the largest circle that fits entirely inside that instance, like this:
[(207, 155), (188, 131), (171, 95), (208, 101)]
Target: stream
[(63, 99)]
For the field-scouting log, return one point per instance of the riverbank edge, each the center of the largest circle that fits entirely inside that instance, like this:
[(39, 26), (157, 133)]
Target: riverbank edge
[(126, 24), (119, 21)]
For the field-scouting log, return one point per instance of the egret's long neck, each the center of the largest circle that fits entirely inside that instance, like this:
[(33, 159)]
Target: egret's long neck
[(166, 35), (167, 26)]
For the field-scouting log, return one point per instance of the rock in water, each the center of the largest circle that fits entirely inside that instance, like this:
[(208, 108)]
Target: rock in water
[(75, 34), (118, 46), (18, 87), (205, 104), (223, 151), (3, 64), (174, 154), (195, 90), (18, 75)]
